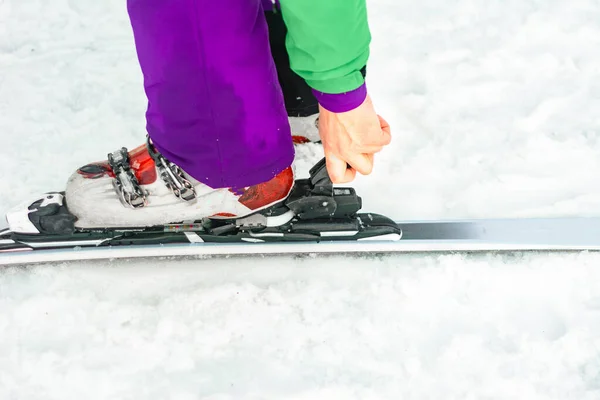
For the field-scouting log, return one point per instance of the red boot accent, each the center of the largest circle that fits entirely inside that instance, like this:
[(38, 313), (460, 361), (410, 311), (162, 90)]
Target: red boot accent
[(297, 139), (141, 163), (225, 215), (278, 188)]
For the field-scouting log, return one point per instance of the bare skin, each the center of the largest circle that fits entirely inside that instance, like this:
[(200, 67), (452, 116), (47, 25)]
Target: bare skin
[(351, 139)]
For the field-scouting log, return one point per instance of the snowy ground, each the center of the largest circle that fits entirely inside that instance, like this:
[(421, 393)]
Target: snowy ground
[(494, 111)]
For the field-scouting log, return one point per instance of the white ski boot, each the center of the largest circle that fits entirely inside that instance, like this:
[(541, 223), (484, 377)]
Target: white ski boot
[(142, 188)]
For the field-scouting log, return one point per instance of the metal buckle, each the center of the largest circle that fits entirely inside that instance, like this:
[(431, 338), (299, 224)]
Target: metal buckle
[(125, 183), (172, 175)]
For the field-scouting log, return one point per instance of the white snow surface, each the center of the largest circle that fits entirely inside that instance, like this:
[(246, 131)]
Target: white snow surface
[(494, 109)]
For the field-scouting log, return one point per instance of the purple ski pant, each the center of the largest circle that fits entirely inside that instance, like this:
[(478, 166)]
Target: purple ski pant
[(215, 106)]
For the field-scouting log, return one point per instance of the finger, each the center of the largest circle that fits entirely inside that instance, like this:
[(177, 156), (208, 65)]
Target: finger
[(365, 148), (349, 176), (362, 163), (375, 139), (338, 169), (385, 126), (371, 158), (385, 129)]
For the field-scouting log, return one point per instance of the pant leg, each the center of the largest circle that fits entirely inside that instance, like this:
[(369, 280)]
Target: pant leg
[(215, 106), (298, 96)]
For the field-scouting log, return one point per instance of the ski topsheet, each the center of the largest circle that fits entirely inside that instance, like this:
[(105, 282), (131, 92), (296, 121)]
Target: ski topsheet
[(315, 219)]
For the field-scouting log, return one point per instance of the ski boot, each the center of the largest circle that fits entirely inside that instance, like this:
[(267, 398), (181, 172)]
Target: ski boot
[(141, 188)]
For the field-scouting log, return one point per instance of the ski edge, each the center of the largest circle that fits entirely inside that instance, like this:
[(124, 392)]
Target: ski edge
[(264, 249)]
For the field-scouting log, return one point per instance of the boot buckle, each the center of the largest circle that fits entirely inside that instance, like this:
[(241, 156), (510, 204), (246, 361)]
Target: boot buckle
[(172, 175), (125, 183)]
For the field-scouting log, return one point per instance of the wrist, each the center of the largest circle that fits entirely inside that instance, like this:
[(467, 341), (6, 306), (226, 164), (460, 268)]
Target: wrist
[(342, 102)]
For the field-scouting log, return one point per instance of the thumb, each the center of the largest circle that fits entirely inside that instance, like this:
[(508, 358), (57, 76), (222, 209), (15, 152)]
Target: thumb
[(338, 169)]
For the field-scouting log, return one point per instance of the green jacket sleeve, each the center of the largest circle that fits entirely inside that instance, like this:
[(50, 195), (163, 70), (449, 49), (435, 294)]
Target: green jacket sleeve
[(328, 42)]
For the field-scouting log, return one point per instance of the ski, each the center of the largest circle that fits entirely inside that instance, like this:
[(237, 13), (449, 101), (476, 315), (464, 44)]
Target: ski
[(500, 235), (316, 218)]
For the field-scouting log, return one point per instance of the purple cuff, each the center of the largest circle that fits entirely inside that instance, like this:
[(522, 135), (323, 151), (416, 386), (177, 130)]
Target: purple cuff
[(342, 102)]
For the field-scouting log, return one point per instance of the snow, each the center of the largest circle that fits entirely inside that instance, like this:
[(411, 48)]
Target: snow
[(493, 107)]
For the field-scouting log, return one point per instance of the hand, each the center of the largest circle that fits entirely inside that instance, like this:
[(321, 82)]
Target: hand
[(350, 140)]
